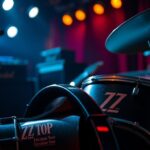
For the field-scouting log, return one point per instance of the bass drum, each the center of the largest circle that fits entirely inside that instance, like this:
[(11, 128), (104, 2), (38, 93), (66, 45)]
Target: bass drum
[(121, 97)]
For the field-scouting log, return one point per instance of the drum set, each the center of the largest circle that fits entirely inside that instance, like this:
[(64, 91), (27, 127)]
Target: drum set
[(123, 97), (105, 112)]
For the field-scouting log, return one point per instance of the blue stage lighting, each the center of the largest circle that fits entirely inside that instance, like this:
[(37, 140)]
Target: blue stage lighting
[(146, 53), (33, 12), (12, 31), (7, 5)]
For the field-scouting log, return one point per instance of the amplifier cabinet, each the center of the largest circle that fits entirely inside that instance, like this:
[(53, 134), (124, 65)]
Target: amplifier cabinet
[(14, 95), (58, 72)]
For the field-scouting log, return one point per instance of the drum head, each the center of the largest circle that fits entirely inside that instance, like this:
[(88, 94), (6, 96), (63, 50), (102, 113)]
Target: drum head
[(121, 97)]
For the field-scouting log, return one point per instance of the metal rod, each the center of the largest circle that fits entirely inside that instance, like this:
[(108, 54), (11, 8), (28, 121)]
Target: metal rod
[(16, 133)]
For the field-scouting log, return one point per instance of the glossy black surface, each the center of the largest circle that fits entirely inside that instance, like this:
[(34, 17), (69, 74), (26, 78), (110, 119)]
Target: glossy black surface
[(132, 35)]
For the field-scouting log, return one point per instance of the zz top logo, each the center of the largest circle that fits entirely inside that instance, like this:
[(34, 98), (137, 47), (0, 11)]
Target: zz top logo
[(31, 131), (113, 100)]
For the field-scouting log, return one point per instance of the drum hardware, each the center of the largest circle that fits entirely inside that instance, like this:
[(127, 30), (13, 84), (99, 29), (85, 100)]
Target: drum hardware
[(136, 89), (15, 136), (136, 123), (136, 136), (16, 133)]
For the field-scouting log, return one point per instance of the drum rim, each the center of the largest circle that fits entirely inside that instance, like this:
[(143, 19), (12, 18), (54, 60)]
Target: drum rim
[(132, 127), (115, 78)]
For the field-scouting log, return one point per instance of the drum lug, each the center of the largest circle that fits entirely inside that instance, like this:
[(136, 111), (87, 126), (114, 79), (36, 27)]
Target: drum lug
[(135, 90)]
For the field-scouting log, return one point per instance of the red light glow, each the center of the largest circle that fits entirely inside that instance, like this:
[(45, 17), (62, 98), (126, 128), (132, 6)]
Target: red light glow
[(102, 129)]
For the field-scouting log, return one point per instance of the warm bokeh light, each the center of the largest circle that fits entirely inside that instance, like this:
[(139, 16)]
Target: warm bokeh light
[(67, 20), (116, 3), (80, 15), (98, 9)]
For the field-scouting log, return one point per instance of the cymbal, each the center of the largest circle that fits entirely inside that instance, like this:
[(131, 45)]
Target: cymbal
[(131, 36)]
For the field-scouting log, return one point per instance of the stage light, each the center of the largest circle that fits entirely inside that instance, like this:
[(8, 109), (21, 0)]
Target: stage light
[(80, 15), (8, 5), (33, 12), (116, 3), (103, 129), (67, 19), (146, 53), (12, 31), (98, 9), (72, 83)]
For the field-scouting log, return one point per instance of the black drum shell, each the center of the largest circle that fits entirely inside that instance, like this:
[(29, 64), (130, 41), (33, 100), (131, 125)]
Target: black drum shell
[(121, 97)]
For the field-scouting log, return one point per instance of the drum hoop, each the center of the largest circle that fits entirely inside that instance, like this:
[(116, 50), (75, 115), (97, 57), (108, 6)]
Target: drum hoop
[(115, 78), (132, 126), (128, 123)]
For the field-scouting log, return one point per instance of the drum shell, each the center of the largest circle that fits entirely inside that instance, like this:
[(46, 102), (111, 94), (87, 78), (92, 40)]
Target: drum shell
[(121, 97), (47, 134)]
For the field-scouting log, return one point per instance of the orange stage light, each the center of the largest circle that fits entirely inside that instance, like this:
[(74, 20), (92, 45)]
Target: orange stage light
[(67, 20), (80, 15), (98, 9), (116, 3)]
